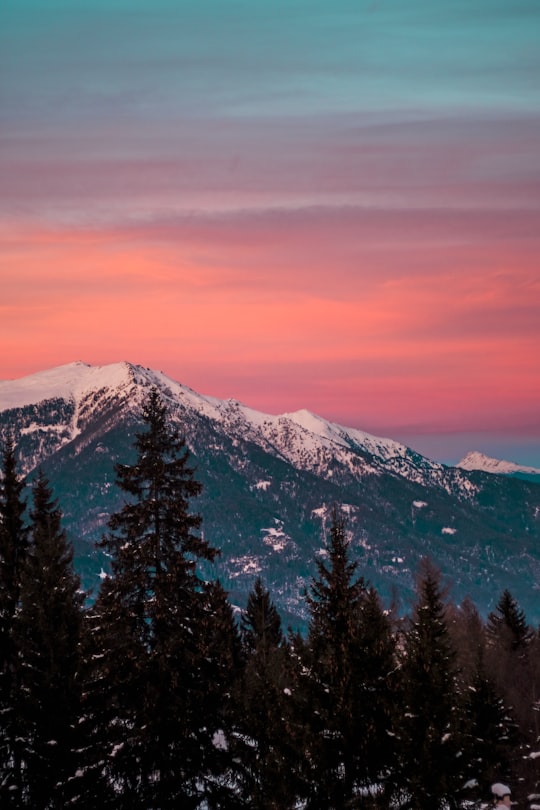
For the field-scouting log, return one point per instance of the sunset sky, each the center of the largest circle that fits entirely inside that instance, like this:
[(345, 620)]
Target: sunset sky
[(293, 203)]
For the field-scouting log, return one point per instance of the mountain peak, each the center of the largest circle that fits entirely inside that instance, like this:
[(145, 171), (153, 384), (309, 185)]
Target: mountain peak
[(475, 460), (68, 380)]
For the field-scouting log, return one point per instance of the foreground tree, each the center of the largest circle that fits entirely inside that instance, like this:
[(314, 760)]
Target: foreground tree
[(269, 757), (380, 692), (48, 628), (489, 730), (153, 610), (337, 768), (511, 659), (13, 547), (430, 772), (217, 690)]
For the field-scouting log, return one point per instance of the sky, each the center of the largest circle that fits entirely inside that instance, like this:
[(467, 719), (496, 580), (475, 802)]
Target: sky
[(296, 204)]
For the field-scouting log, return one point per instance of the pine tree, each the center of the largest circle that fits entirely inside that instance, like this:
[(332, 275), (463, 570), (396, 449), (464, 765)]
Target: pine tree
[(334, 600), (261, 622), (13, 546), (48, 628), (490, 730), (507, 627), (491, 734), (269, 757), (430, 773), (217, 690), (153, 610), (98, 729), (377, 696), (510, 642)]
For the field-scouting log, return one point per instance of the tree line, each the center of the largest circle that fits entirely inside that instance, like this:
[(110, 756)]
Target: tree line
[(159, 696)]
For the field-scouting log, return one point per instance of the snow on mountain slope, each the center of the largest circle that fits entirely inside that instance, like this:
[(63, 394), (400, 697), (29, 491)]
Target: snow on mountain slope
[(475, 460), (303, 439), (269, 482), (76, 382), (343, 435)]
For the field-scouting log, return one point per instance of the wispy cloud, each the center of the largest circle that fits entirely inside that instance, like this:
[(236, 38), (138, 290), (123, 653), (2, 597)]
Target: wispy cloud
[(332, 206)]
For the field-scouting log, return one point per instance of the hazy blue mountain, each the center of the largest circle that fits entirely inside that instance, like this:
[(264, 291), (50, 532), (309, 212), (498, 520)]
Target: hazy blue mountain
[(269, 485)]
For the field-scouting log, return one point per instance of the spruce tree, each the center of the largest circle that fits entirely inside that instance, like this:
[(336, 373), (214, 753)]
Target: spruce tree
[(269, 778), (431, 773), (378, 692), (13, 546), (510, 642), (333, 767), (98, 727), (48, 628), (153, 611), (261, 622), (491, 735), (507, 628), (218, 691), (490, 730)]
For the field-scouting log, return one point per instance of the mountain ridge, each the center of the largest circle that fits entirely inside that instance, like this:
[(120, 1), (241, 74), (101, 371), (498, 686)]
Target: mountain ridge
[(269, 483)]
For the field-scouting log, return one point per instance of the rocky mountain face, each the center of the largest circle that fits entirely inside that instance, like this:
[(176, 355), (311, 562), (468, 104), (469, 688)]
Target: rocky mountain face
[(270, 483)]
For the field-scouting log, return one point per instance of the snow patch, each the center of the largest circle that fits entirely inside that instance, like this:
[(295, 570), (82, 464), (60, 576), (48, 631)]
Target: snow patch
[(275, 537), (246, 565), (262, 485), (219, 740)]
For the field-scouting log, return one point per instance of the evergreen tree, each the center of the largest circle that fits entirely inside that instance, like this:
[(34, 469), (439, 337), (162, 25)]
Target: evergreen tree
[(491, 735), (510, 642), (13, 533), (348, 662), (377, 696), (261, 622), (13, 546), (217, 691), (507, 628), (269, 757), (48, 629), (98, 727), (431, 773), (153, 610), (490, 731)]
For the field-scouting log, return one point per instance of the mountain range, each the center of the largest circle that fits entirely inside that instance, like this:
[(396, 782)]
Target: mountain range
[(269, 486)]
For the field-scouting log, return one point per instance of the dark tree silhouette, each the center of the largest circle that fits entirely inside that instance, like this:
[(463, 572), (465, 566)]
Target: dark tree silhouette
[(48, 627), (269, 757), (154, 610), (13, 547), (333, 767), (430, 771)]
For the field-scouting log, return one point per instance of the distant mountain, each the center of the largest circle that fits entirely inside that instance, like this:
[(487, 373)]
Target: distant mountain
[(269, 485), (475, 460)]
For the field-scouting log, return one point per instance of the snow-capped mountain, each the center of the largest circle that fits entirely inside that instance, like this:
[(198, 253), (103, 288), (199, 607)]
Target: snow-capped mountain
[(474, 460), (303, 439), (269, 483)]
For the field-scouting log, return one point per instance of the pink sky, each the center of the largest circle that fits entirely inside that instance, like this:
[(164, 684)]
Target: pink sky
[(334, 230), (413, 331)]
